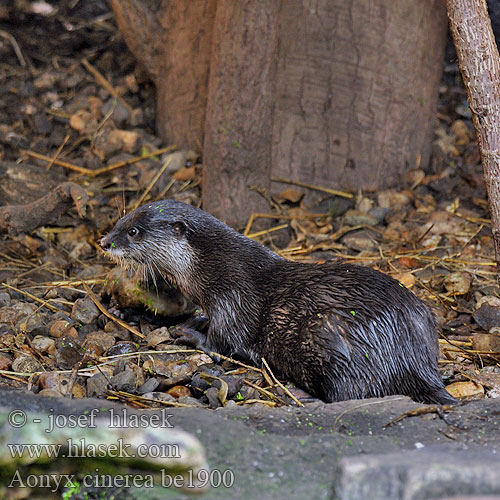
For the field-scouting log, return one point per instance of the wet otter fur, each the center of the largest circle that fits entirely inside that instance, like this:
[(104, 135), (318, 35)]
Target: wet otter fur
[(340, 331)]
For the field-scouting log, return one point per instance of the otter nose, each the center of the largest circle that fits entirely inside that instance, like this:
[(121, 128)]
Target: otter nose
[(105, 243)]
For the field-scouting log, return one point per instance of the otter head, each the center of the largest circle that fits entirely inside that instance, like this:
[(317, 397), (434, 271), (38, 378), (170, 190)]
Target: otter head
[(154, 238)]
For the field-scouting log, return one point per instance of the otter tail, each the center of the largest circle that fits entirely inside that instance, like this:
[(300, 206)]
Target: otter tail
[(441, 395)]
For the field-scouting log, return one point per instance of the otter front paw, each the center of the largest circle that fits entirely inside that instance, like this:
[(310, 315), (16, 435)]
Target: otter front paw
[(192, 337)]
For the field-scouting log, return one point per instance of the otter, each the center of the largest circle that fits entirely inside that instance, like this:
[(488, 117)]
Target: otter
[(339, 331)]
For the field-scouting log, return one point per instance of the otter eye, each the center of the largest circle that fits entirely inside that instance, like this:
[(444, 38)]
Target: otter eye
[(179, 227), (133, 231)]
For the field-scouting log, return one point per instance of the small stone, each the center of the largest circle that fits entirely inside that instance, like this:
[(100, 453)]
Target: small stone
[(364, 204), (60, 328), (103, 339), (487, 317), (234, 384), (462, 390), (199, 359), (69, 352), (51, 393), (159, 396), (29, 324), (78, 391), (5, 299), (97, 385), (50, 380), (191, 401), (42, 124), (5, 362), (124, 381), (291, 195), (120, 112), (199, 383), (179, 391), (83, 121), (137, 117), (379, 213), (212, 395), (358, 218), (84, 311), (486, 342), (46, 81), (158, 336), (26, 364), (392, 199), (122, 348), (149, 386), (44, 345), (95, 105), (125, 140), (458, 283), (131, 82), (359, 240), (172, 369)]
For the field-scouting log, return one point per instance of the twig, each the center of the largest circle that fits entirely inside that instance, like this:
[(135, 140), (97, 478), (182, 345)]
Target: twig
[(44, 303), (101, 308), (277, 382), (335, 192), (101, 80), (264, 391), (98, 171), (58, 152), (153, 181), (267, 231), (65, 164), (15, 46)]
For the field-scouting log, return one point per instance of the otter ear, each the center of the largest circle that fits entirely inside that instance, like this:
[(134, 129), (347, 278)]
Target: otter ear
[(179, 228)]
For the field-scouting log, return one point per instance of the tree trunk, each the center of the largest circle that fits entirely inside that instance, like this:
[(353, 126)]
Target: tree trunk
[(480, 67), (174, 42), (238, 134), (335, 93), (357, 90)]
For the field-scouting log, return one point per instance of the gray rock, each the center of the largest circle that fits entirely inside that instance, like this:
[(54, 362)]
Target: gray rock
[(84, 311), (5, 299), (26, 364), (379, 213), (359, 240), (414, 475), (97, 385), (124, 381), (120, 112), (149, 386), (487, 316), (357, 218)]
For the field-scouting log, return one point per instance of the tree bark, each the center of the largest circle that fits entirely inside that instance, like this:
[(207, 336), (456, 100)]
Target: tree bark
[(173, 40), (238, 133), (480, 67), (357, 90)]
